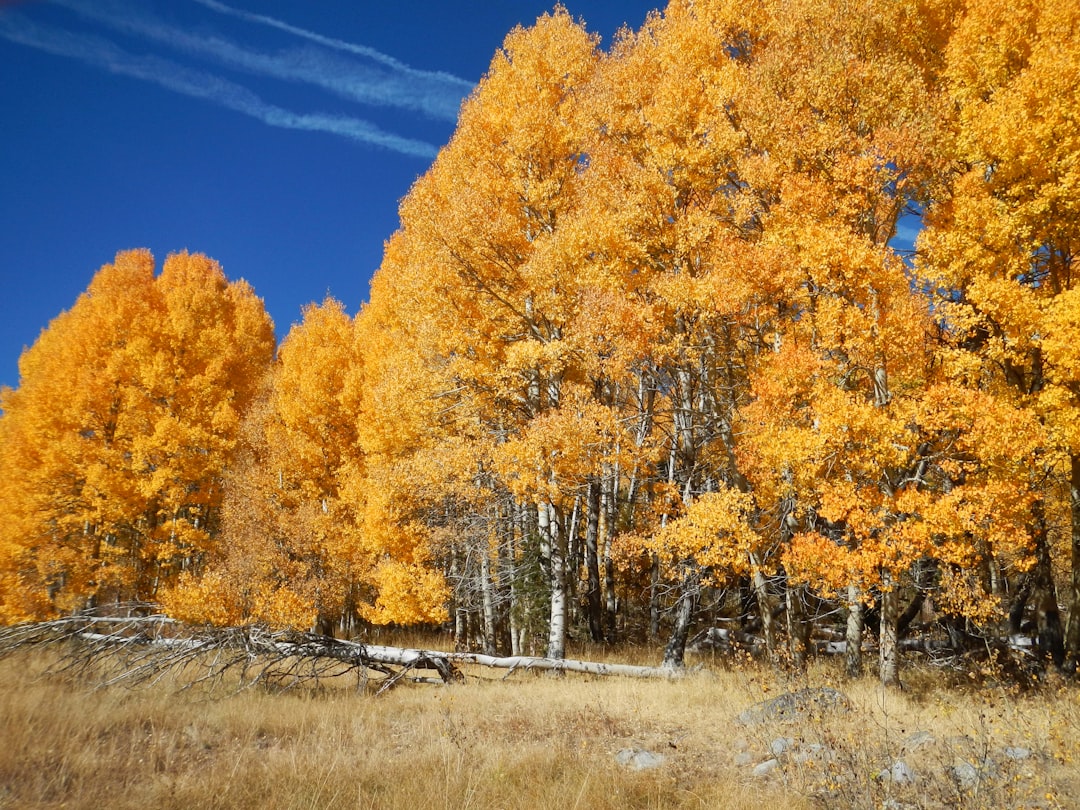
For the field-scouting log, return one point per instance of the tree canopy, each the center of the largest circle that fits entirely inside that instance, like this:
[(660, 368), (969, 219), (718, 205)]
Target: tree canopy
[(648, 339)]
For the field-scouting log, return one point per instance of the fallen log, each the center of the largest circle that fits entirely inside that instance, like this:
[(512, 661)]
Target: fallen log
[(138, 644), (565, 665)]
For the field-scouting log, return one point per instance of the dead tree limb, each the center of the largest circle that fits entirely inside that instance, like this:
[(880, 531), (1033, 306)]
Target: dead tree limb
[(139, 645), (564, 665), (144, 649)]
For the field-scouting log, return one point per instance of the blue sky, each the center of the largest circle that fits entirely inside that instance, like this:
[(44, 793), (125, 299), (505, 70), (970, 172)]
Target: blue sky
[(275, 136)]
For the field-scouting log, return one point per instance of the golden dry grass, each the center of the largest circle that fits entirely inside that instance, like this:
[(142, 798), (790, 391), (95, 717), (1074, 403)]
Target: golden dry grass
[(530, 741)]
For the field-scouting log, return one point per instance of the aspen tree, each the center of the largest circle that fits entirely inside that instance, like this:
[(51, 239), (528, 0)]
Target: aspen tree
[(998, 251), (121, 429)]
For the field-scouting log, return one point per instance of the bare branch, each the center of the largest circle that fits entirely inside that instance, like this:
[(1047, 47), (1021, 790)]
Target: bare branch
[(137, 645)]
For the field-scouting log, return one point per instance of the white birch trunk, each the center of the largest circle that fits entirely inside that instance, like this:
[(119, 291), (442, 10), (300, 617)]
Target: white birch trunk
[(488, 599), (547, 519), (854, 634)]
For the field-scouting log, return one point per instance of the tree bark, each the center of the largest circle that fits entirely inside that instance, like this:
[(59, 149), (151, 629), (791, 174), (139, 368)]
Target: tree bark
[(1019, 603), (1072, 628), (889, 642), (654, 596), (608, 505), (675, 652), (487, 599), (461, 622), (925, 570), (518, 546), (761, 594), (592, 563), (141, 649), (550, 533), (854, 634), (1050, 638)]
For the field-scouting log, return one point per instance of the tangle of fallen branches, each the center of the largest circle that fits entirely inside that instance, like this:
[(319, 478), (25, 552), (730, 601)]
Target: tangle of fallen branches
[(137, 644)]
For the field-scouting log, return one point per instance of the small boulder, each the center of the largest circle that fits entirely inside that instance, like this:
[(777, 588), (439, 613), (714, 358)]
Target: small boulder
[(781, 745), (638, 759), (766, 768), (899, 774), (793, 705), (966, 775)]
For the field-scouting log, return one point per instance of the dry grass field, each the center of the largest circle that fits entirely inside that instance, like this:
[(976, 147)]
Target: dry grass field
[(534, 741)]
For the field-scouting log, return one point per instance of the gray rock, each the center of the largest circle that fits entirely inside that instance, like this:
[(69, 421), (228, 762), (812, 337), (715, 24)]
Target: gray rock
[(1016, 752), (766, 767), (638, 759), (794, 705), (899, 774), (781, 745), (966, 775)]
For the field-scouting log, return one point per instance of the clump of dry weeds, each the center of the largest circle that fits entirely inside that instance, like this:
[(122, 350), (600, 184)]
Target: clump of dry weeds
[(529, 741)]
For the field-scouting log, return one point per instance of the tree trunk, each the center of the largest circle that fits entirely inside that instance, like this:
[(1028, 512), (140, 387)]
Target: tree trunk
[(1019, 603), (654, 597), (324, 625), (675, 652), (761, 594), (592, 563), (888, 644), (1050, 637), (547, 516), (461, 628), (520, 620), (572, 564), (1072, 629), (925, 573), (853, 637), (141, 649), (608, 502), (488, 600)]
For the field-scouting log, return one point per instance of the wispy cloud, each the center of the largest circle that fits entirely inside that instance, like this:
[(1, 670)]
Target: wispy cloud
[(452, 81), (379, 80), (104, 54)]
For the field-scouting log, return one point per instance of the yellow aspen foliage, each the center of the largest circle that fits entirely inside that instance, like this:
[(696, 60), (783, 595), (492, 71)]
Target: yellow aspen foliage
[(121, 429), (714, 532), (294, 551), (486, 297), (478, 222), (645, 323), (554, 456), (999, 243)]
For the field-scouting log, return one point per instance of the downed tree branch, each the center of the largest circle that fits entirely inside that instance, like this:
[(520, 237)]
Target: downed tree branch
[(139, 649), (564, 665), (137, 644)]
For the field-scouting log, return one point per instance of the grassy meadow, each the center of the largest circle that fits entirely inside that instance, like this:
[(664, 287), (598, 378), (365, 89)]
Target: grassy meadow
[(534, 741)]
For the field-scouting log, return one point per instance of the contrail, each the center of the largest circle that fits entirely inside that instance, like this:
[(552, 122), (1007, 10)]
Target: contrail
[(433, 94), (198, 84), (462, 84)]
